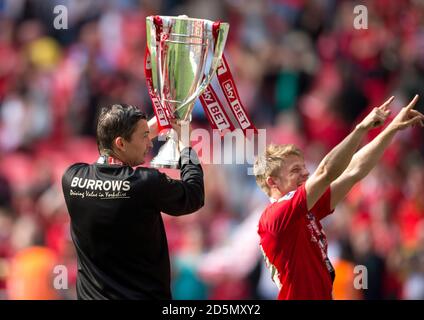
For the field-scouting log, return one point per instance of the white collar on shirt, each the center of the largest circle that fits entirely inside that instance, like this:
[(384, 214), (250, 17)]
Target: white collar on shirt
[(287, 196)]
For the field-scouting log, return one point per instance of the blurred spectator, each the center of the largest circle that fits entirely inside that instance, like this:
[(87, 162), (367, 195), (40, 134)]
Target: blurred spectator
[(31, 275)]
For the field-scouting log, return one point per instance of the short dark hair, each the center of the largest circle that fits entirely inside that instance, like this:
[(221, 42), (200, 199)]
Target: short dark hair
[(117, 120)]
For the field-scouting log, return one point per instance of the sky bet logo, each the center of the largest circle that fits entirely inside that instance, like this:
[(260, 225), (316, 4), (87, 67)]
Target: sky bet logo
[(106, 185), (235, 103)]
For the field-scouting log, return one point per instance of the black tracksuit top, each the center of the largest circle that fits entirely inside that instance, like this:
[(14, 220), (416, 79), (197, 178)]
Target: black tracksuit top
[(117, 227)]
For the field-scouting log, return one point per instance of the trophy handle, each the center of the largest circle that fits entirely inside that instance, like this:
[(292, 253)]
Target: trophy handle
[(219, 45)]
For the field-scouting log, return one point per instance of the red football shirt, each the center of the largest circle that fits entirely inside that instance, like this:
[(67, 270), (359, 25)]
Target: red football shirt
[(295, 246)]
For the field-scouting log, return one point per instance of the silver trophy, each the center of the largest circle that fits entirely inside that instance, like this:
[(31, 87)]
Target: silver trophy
[(184, 56)]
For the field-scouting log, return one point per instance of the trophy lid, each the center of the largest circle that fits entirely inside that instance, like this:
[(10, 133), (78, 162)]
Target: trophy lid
[(183, 17)]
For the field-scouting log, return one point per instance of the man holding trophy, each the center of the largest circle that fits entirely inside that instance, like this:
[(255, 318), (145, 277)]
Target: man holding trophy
[(116, 225), (115, 209)]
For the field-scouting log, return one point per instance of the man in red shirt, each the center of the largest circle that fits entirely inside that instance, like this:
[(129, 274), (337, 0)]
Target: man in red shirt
[(292, 240)]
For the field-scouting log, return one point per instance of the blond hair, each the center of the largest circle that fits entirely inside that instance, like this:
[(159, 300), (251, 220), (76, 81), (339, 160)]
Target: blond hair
[(269, 163)]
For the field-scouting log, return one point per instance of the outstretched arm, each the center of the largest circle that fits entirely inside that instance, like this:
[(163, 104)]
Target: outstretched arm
[(335, 162), (366, 158)]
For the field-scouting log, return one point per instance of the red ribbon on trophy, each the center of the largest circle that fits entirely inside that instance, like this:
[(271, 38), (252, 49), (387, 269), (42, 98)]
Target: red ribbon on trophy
[(161, 112)]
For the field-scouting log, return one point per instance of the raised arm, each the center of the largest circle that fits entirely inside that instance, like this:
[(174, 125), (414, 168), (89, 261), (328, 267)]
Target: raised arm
[(366, 158), (336, 161), (178, 197)]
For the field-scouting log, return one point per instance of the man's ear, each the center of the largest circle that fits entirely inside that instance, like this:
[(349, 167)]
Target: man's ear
[(119, 143), (270, 182)]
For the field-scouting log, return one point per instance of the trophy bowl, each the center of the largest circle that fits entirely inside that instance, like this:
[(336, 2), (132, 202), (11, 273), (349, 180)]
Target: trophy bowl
[(184, 56)]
